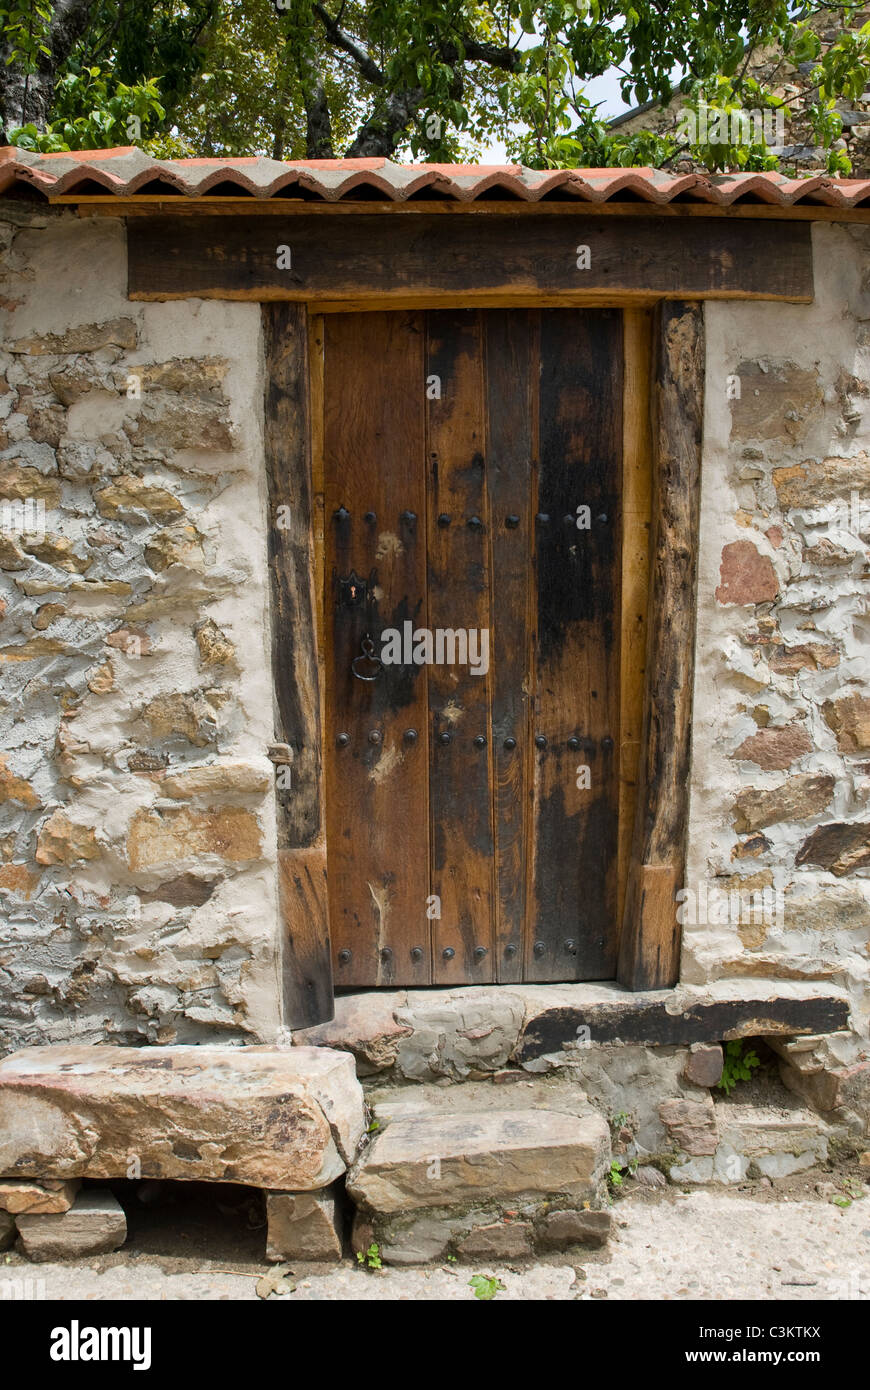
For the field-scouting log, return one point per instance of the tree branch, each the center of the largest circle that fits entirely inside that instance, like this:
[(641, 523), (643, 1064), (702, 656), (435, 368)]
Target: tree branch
[(339, 39), (318, 123), (388, 120), (508, 59), (377, 135)]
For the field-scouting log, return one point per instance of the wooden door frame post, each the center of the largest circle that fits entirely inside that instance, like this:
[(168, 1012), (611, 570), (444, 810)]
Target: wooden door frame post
[(306, 957), (649, 956)]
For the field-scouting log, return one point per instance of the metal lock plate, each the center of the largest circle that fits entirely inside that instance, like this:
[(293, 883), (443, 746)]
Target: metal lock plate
[(352, 591)]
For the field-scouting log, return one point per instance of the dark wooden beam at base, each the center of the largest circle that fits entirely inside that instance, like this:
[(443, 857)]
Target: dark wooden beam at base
[(307, 969), (309, 257), (649, 955), (640, 1020)]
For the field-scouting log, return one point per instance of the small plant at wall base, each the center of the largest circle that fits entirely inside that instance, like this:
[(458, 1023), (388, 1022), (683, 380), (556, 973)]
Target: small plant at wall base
[(371, 1258), (618, 1170), (740, 1062)]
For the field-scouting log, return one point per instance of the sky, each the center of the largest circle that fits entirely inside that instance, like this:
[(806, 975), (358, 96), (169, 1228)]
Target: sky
[(604, 89)]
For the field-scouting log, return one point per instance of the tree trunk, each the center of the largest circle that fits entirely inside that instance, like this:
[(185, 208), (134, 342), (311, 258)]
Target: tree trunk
[(378, 135), (26, 98), (318, 123)]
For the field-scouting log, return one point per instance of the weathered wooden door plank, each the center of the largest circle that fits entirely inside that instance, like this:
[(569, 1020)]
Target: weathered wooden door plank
[(376, 775), (512, 445), (332, 258), (460, 785), (573, 905), (650, 945), (636, 518), (307, 974)]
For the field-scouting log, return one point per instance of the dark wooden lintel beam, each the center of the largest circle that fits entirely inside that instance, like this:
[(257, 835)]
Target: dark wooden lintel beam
[(313, 258)]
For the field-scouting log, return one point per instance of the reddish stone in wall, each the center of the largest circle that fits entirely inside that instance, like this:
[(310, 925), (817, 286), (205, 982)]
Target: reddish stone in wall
[(775, 749), (746, 575)]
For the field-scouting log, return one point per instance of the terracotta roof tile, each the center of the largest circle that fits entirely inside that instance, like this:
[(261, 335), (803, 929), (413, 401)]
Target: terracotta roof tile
[(130, 172)]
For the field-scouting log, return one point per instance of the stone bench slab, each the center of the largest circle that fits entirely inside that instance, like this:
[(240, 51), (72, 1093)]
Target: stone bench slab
[(272, 1117)]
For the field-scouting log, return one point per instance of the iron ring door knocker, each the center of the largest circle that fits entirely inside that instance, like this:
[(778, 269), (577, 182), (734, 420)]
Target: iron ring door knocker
[(367, 654)]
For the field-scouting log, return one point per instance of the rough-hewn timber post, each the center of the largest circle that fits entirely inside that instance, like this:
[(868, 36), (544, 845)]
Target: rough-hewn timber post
[(649, 955), (307, 966)]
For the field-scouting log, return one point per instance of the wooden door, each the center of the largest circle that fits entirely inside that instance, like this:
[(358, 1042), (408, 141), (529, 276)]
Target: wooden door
[(472, 461)]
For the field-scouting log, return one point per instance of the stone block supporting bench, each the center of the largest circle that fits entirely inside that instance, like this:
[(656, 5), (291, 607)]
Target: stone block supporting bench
[(304, 1225)]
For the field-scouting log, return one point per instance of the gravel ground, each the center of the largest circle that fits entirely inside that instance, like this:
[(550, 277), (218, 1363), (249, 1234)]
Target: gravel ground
[(701, 1245)]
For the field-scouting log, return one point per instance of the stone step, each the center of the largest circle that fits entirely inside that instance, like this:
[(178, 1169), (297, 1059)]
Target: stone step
[(286, 1118), (480, 1181), (514, 1091), (756, 1140)]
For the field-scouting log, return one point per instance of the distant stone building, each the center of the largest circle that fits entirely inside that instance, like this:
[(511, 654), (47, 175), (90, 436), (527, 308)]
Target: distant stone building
[(791, 84)]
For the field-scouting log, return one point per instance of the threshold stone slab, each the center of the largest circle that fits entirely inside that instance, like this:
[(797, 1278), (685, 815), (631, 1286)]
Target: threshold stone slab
[(445, 1160), (94, 1225), (272, 1117)]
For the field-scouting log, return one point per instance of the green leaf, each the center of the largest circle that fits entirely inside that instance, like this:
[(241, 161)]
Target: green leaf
[(486, 1286)]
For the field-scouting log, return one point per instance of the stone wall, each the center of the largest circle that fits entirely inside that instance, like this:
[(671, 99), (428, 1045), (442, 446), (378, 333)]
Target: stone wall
[(137, 819), (781, 760)]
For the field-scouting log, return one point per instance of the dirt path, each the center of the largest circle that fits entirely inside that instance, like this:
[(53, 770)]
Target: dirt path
[(703, 1245)]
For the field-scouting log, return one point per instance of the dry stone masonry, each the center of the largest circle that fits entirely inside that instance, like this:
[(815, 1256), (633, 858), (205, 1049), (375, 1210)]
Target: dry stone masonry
[(136, 800), (781, 756)]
